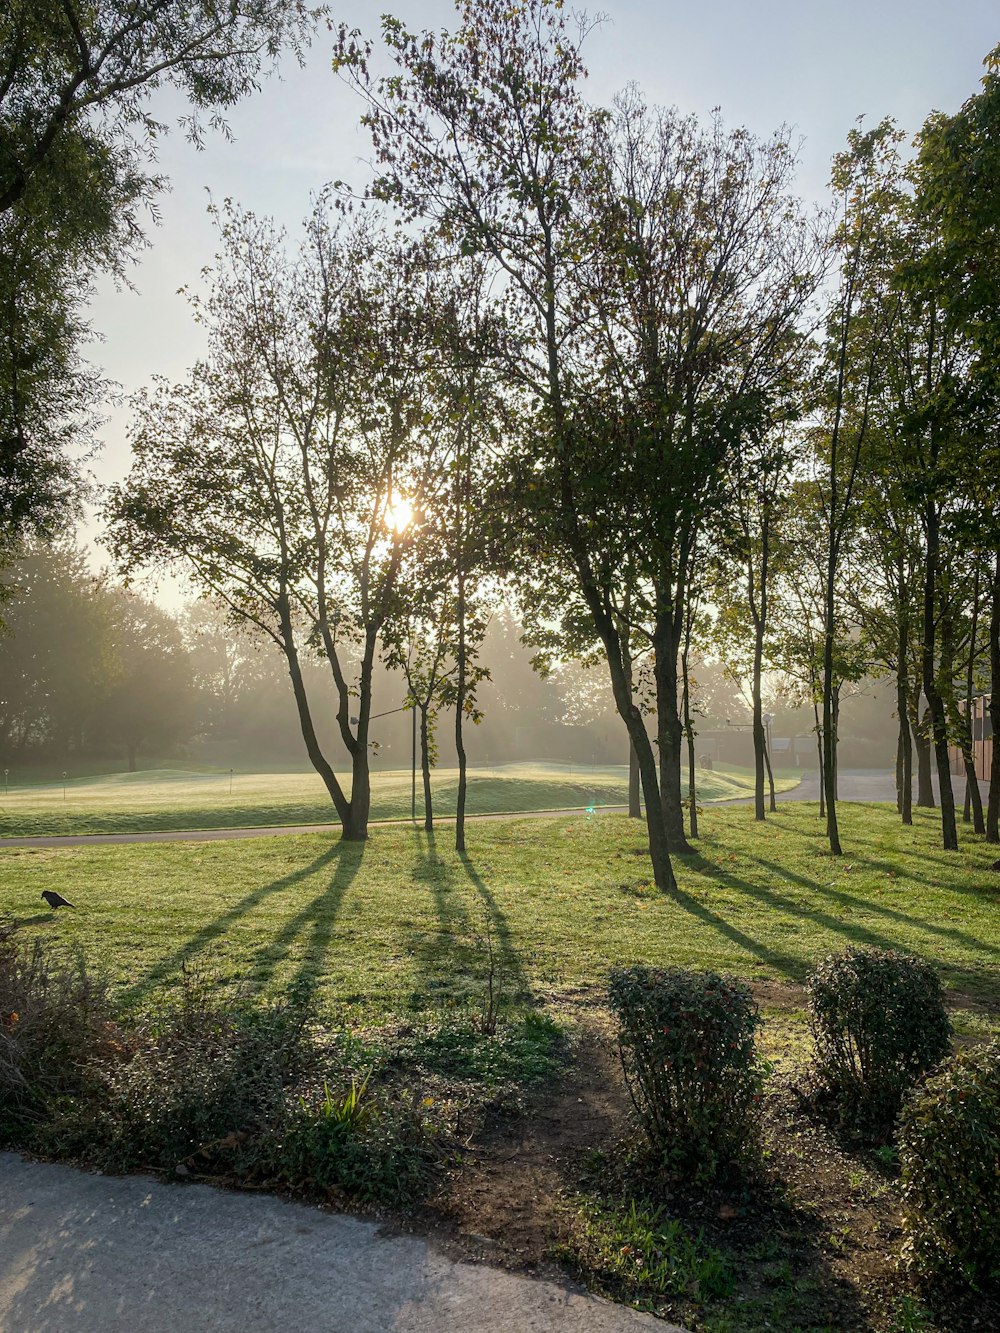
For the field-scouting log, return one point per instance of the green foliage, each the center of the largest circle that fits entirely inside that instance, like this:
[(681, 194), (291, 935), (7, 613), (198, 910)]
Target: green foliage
[(949, 1149), (379, 1144), (879, 1023), (640, 1247), (55, 1020), (524, 1052), (687, 1048), (203, 1071), (76, 151)]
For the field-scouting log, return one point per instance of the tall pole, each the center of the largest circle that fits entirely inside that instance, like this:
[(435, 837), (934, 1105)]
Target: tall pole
[(413, 764)]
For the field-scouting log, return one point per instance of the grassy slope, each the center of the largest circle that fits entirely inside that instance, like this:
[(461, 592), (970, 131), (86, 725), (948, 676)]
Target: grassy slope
[(172, 799), (392, 925)]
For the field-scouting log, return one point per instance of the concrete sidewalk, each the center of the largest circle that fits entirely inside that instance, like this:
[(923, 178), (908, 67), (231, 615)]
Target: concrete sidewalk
[(81, 1253)]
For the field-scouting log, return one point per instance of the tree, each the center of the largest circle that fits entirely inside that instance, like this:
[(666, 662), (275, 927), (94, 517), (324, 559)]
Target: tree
[(77, 148), (55, 652), (147, 699), (866, 180), (629, 247), (753, 546), (958, 163), (285, 472)]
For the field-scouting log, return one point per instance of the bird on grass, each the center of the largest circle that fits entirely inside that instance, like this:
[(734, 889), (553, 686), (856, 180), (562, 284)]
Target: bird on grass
[(55, 900)]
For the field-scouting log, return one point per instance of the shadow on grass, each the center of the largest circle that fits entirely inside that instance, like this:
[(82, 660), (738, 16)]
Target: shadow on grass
[(854, 902), (348, 858), (310, 930), (816, 914), (455, 956)]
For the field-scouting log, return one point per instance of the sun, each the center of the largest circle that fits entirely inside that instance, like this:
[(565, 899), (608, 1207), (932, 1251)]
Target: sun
[(399, 513)]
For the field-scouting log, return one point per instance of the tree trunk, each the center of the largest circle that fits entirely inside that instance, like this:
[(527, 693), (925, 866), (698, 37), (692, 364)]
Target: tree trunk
[(634, 802), (425, 768), (316, 757), (835, 713), (759, 745), (132, 756), (973, 805), (939, 724), (922, 745), (621, 688), (818, 729), (828, 736), (772, 799), (689, 734), (905, 780), (460, 718), (669, 735), (993, 806)]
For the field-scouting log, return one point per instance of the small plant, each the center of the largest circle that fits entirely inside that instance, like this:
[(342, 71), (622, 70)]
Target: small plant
[(496, 976), (879, 1024), (351, 1111), (949, 1152), (641, 1248), (687, 1048), (380, 1145)]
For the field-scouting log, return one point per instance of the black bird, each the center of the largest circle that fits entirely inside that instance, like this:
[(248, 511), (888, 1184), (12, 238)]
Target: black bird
[(55, 899)]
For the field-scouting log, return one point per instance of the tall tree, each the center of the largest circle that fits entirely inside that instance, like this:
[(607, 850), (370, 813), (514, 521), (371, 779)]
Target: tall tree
[(284, 473), (77, 161), (958, 165), (653, 272)]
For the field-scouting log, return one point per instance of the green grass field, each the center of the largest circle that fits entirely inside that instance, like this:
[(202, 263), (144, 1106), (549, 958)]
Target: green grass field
[(176, 799), (393, 925)]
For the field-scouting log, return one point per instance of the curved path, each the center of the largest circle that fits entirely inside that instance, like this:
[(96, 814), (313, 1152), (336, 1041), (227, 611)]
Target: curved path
[(100, 1254)]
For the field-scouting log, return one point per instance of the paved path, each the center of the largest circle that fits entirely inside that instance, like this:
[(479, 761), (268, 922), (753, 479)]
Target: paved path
[(859, 784), (81, 1253)]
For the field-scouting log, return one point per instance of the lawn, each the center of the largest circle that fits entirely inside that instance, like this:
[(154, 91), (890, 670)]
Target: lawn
[(393, 939), (178, 799), (398, 924)]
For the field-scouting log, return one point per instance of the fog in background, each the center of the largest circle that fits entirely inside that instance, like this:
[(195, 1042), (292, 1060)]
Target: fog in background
[(96, 677)]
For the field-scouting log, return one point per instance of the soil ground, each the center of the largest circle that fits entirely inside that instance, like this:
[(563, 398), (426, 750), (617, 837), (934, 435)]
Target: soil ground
[(813, 1244)]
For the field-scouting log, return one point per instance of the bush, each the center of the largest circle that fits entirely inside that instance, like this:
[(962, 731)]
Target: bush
[(879, 1023), (206, 1071), (949, 1150), (55, 1019), (687, 1047)]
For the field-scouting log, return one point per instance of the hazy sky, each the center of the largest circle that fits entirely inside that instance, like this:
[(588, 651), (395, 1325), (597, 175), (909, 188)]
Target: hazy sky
[(815, 66)]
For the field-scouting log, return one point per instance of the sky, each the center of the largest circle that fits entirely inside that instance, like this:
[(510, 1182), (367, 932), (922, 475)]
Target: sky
[(813, 66)]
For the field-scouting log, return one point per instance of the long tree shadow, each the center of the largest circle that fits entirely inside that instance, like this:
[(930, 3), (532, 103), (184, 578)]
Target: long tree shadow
[(786, 963), (853, 932), (456, 954), (316, 918), (855, 902), (187, 952)]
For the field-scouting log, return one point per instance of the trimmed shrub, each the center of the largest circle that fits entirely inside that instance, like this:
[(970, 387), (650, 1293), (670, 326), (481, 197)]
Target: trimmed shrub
[(687, 1048), (879, 1024), (949, 1152), (55, 1020)]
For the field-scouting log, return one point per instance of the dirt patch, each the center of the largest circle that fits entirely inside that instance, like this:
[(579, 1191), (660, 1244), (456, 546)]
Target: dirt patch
[(813, 1243), (507, 1199)]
